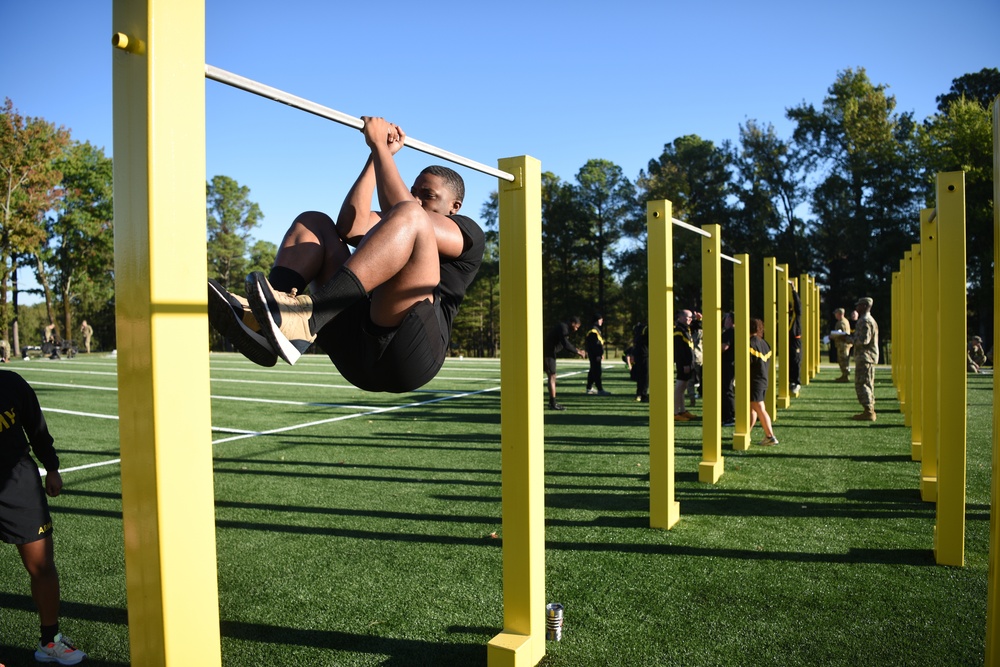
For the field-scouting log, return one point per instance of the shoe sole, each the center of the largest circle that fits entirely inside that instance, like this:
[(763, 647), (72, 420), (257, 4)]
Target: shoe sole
[(223, 318), (259, 294)]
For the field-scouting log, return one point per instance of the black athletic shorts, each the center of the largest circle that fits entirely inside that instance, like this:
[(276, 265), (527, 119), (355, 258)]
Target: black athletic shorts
[(550, 365), (682, 376), (376, 358), (24, 510), (758, 390)]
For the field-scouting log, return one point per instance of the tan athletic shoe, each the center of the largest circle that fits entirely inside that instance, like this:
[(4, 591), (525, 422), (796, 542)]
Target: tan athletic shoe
[(230, 315), (284, 317), (866, 416)]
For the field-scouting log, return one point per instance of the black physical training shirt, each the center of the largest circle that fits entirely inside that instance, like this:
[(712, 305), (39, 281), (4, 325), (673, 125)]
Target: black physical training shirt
[(458, 273), (21, 423)]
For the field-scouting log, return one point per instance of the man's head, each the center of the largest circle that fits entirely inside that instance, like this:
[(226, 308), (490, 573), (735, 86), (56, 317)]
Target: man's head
[(839, 313), (573, 322), (864, 304), (598, 319), (439, 189), (728, 321), (684, 317)]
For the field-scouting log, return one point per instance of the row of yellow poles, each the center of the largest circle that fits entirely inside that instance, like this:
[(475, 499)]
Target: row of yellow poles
[(664, 510), (929, 360)]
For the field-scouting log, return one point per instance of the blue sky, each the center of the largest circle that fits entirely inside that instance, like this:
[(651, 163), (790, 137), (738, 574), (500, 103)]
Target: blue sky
[(564, 82)]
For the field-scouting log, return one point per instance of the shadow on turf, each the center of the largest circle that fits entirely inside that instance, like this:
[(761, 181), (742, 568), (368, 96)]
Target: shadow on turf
[(400, 652), (20, 655)]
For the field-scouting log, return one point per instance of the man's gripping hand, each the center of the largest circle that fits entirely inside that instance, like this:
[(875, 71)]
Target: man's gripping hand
[(380, 133)]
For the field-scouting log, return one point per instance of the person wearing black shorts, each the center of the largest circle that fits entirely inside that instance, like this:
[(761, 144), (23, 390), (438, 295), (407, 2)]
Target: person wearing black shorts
[(760, 361), (384, 313), (24, 510), (556, 341)]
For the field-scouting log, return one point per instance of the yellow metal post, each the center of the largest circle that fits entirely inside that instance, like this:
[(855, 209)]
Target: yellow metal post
[(900, 352), (664, 511), (741, 350), (895, 330), (949, 542), (168, 512), (522, 642), (781, 340), (929, 362), (993, 582), (918, 330), (711, 467), (814, 336), (908, 325), (805, 289), (770, 327)]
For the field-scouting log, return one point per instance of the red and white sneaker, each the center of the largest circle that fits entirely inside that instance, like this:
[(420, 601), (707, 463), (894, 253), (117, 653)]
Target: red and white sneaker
[(61, 650)]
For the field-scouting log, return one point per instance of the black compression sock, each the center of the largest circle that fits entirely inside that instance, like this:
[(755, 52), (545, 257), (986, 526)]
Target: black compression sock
[(334, 297), (49, 633), (284, 279)]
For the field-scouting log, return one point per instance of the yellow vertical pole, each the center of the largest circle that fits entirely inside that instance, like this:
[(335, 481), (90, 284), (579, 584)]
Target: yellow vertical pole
[(770, 326), (894, 318), (929, 399), (168, 512), (908, 325), (522, 642), (949, 542), (711, 467), (814, 336), (902, 335), (918, 331), (664, 511), (781, 339), (741, 349), (805, 290), (993, 583)]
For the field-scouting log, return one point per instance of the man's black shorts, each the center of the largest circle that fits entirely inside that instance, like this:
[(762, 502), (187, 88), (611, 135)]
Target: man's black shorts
[(758, 390), (397, 360), (24, 510), (682, 376), (550, 365)]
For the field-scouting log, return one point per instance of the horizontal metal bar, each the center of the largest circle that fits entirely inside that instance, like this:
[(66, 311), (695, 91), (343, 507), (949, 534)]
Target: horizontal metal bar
[(778, 268), (257, 88), (696, 230), (731, 259)]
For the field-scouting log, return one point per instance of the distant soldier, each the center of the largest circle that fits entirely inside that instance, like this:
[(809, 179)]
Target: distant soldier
[(595, 352), (87, 331), (49, 335), (865, 357), (843, 343)]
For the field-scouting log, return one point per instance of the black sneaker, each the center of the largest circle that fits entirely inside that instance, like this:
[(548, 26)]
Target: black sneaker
[(230, 315), (556, 406)]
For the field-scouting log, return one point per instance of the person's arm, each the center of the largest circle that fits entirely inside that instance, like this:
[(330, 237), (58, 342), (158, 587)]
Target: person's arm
[(385, 140)]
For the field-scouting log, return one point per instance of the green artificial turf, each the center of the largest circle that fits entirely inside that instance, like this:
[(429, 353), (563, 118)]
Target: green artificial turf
[(364, 529)]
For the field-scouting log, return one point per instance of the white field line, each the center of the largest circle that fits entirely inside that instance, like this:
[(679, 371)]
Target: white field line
[(243, 435)]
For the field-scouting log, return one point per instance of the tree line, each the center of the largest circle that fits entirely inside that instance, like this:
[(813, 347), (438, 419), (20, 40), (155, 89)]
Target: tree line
[(838, 199)]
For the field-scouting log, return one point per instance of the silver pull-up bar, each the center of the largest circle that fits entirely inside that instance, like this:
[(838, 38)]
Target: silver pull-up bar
[(696, 230), (257, 88)]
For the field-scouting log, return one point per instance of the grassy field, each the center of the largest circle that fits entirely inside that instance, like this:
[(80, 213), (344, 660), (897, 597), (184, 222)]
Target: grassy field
[(358, 529)]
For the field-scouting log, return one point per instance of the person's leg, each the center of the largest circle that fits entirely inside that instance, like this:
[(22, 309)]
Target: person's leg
[(552, 387), (39, 560), (397, 261), (679, 387), (759, 410)]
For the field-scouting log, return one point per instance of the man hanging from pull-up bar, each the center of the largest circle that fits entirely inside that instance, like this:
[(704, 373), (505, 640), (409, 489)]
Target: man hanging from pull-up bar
[(383, 313)]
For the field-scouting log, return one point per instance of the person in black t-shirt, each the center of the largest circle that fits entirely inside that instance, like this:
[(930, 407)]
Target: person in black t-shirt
[(383, 313), (760, 363), (556, 341), (24, 512)]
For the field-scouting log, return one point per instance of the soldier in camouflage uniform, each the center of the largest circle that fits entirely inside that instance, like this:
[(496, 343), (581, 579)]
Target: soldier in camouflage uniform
[(865, 340)]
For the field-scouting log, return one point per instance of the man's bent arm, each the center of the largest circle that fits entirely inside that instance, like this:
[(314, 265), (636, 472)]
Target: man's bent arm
[(356, 217)]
